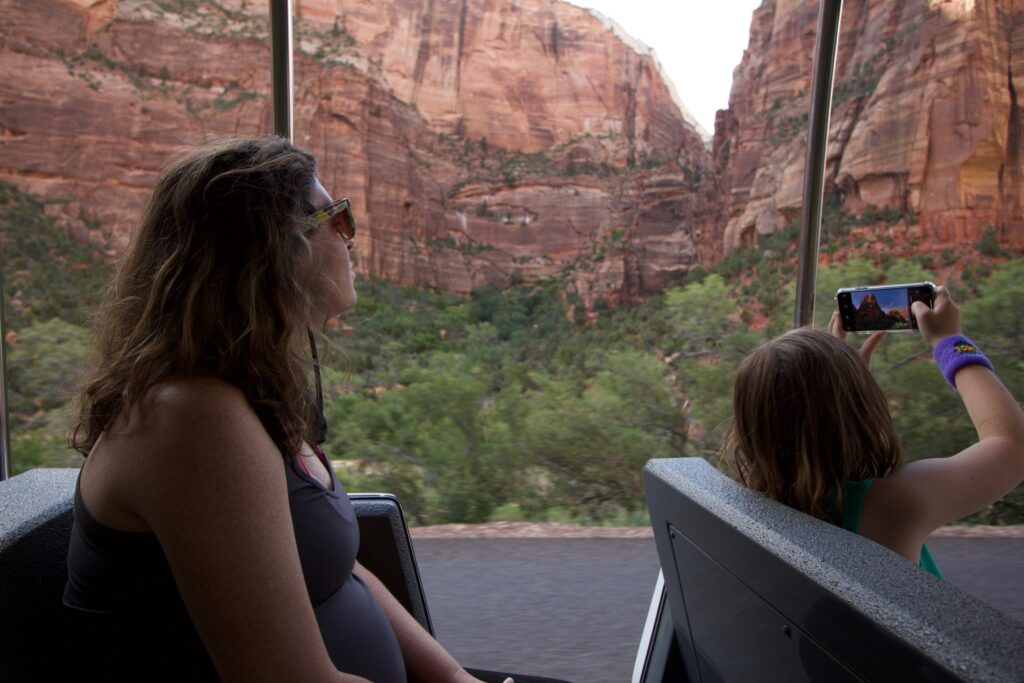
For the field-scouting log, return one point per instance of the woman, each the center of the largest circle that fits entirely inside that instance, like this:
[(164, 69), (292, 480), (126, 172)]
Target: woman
[(812, 429), (211, 538)]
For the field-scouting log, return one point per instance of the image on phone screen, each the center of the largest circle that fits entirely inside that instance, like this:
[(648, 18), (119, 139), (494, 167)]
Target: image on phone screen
[(882, 309)]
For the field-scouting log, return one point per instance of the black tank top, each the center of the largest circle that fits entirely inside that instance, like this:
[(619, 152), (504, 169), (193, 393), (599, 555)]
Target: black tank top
[(126, 617)]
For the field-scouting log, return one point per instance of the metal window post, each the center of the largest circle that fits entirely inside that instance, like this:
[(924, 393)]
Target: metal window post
[(5, 427), (281, 59), (817, 142)]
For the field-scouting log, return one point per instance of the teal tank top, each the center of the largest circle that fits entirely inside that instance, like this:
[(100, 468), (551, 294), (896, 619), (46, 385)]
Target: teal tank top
[(852, 504)]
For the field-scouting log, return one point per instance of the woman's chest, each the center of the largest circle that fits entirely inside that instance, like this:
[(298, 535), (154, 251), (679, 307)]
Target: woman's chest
[(326, 531)]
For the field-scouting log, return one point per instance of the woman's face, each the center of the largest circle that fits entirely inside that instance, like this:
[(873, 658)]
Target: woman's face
[(335, 289)]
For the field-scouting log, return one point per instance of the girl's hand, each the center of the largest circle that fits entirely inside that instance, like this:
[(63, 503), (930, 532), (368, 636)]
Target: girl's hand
[(835, 328), (939, 322)]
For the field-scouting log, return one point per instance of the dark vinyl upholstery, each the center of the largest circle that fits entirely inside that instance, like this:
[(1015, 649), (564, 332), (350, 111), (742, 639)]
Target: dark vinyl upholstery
[(35, 524), (759, 592), (386, 550)]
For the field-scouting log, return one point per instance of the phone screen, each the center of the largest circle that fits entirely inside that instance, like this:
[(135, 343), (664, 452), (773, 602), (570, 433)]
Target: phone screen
[(871, 309)]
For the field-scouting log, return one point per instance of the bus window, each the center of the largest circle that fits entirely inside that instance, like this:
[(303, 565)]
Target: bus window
[(560, 266)]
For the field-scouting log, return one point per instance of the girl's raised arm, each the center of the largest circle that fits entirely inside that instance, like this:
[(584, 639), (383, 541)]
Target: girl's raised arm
[(936, 491)]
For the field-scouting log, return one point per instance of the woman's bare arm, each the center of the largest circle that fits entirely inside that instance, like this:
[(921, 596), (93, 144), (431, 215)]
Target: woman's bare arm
[(425, 659), (210, 483)]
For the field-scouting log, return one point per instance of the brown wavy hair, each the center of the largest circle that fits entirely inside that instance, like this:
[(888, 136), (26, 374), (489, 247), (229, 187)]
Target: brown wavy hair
[(808, 416), (216, 283)]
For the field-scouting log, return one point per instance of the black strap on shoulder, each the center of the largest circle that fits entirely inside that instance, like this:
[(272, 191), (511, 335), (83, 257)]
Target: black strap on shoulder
[(321, 416)]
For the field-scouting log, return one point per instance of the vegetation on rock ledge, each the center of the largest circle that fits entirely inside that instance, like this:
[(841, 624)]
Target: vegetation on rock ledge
[(502, 407)]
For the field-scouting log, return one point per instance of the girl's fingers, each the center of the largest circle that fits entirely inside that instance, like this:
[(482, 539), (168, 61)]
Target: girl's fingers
[(835, 326), (942, 320), (920, 309), (869, 347)]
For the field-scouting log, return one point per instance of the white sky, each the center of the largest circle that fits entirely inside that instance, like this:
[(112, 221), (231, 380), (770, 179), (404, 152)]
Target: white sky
[(698, 42)]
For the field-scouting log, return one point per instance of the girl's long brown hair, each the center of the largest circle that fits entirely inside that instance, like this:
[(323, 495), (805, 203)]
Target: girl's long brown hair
[(215, 283), (808, 417)]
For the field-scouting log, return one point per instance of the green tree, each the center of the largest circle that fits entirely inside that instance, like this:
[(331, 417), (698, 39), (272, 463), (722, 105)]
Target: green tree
[(44, 366), (708, 342), (993, 320), (594, 440), (441, 440), (988, 243), (41, 443), (457, 423), (373, 435), (700, 313), (463, 406), (45, 362), (47, 272)]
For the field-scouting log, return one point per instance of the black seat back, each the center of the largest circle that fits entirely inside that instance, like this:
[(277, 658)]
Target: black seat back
[(385, 548), (759, 591), (35, 524)]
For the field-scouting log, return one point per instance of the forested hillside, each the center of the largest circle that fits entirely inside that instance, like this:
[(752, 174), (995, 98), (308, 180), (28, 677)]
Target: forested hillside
[(605, 272), (513, 404)]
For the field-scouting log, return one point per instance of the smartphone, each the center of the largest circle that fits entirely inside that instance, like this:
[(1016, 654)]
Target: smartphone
[(885, 307)]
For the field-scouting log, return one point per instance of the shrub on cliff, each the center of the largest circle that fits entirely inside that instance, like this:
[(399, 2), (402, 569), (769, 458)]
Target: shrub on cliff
[(988, 243), (45, 361), (47, 272)]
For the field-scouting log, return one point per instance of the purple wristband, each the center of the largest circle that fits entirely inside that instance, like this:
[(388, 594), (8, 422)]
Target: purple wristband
[(956, 352)]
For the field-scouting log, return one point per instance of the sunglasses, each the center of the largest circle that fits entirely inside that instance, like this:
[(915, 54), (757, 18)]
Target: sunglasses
[(339, 214)]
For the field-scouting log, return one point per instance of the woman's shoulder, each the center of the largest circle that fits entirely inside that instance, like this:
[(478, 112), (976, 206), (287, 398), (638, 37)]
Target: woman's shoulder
[(188, 406), (193, 437), (193, 394), (183, 419), (183, 436)]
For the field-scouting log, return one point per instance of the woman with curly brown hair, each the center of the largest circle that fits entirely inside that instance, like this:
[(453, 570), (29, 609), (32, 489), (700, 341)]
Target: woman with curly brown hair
[(211, 538), (812, 429)]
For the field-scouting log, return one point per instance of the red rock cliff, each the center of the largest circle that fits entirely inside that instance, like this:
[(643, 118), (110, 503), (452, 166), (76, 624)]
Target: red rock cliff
[(926, 118), (481, 141)]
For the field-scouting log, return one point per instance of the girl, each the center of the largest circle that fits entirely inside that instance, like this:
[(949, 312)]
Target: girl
[(812, 429)]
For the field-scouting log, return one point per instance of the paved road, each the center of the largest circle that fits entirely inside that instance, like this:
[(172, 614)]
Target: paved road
[(574, 608), (991, 569)]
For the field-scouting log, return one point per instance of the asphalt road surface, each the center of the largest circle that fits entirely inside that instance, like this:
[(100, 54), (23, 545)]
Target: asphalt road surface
[(574, 608)]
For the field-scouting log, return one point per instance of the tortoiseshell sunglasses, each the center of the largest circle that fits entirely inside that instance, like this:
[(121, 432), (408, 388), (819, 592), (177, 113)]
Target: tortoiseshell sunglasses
[(339, 213)]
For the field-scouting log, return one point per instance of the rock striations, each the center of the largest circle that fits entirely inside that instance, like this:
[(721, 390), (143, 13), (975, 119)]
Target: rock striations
[(481, 141), (506, 141), (926, 119)]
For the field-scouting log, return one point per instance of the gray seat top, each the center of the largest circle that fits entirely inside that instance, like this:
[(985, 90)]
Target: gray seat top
[(32, 499), (961, 633)]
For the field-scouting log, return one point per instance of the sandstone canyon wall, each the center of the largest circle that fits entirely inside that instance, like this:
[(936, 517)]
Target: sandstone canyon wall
[(482, 141), (926, 119), (506, 141)]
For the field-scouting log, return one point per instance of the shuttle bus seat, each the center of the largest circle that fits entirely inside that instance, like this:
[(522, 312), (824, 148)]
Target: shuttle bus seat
[(757, 591), (35, 525), (386, 550)]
